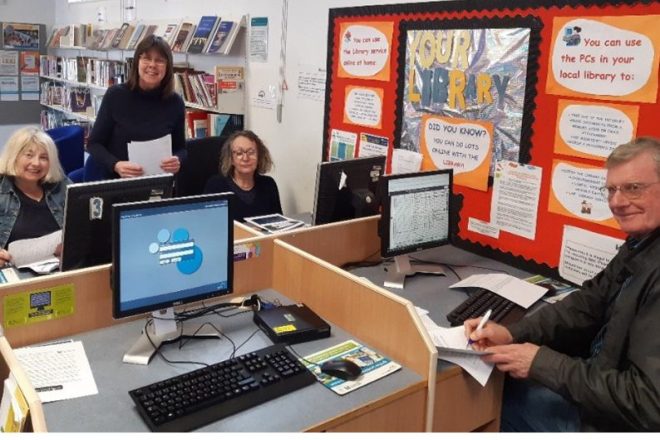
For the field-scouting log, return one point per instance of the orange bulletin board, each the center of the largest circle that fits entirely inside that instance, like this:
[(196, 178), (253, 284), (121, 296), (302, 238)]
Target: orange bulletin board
[(554, 85)]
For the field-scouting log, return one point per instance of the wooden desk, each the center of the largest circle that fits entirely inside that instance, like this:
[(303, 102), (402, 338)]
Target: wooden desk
[(460, 402), (383, 321)]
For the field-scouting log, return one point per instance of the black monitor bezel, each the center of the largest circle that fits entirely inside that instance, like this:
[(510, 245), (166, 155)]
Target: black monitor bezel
[(101, 188), (325, 168), (385, 250), (124, 207)]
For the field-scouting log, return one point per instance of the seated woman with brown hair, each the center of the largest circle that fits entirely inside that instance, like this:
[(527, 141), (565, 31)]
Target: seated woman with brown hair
[(244, 159), (32, 188)]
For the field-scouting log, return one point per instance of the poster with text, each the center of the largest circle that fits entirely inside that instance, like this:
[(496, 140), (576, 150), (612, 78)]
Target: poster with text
[(614, 58), (462, 145), (364, 106), (342, 144), (477, 74), (365, 50), (585, 253), (575, 192), (591, 130), (373, 145), (515, 202)]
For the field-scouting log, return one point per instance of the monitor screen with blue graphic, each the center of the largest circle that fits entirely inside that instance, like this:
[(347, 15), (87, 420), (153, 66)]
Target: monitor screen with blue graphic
[(171, 252)]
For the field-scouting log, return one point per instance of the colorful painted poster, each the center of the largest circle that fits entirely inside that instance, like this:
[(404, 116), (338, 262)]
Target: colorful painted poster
[(474, 74), (462, 145), (365, 50), (20, 35), (364, 106), (613, 58), (342, 145), (592, 130), (575, 192), (29, 63)]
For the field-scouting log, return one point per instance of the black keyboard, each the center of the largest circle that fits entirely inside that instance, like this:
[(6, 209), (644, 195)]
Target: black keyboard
[(195, 399), (476, 305)]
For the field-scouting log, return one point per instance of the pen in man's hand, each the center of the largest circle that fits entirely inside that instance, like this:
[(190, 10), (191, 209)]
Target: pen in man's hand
[(481, 325)]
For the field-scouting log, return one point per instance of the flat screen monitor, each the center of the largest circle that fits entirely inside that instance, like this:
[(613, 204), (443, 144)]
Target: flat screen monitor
[(416, 215), (87, 232), (170, 252), (347, 189)]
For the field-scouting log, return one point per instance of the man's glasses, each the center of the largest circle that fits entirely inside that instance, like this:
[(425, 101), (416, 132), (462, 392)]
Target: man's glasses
[(630, 191), (240, 154)]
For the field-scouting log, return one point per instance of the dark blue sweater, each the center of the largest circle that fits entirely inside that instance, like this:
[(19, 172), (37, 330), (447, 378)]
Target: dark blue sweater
[(264, 196), (126, 115)]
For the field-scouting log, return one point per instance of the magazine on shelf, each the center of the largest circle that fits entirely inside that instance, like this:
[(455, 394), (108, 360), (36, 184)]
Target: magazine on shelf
[(205, 29), (373, 365), (274, 222)]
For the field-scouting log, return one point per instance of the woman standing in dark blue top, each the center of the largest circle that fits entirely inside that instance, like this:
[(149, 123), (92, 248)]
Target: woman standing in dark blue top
[(145, 108), (243, 160)]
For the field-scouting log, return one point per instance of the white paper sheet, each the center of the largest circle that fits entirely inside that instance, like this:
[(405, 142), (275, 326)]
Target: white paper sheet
[(33, 250), (405, 161), (514, 206), (148, 154), (519, 291), (474, 365), (585, 253), (58, 371)]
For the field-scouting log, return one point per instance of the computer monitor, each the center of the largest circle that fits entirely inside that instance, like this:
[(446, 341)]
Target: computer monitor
[(416, 214), (166, 253), (87, 232), (347, 189)]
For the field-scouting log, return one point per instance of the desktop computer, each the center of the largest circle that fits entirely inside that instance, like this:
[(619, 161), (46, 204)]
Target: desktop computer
[(86, 235), (166, 253), (347, 189), (416, 216)]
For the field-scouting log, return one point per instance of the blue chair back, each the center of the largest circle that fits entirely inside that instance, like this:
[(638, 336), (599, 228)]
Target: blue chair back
[(70, 142), (90, 172)]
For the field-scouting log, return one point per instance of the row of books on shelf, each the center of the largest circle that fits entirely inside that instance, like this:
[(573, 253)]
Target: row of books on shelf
[(71, 99), (200, 124), (86, 70), (205, 89), (210, 34)]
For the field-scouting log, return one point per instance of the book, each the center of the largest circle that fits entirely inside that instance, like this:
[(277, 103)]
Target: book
[(121, 38), (374, 365), (191, 117), (66, 36), (109, 38), (137, 35), (217, 123), (205, 28), (170, 32), (557, 290), (225, 32), (200, 128), (183, 37)]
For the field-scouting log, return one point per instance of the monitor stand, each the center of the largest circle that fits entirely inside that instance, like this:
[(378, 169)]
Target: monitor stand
[(166, 331), (403, 267)]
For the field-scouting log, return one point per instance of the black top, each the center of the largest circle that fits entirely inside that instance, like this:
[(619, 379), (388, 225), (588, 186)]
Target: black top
[(126, 115), (262, 199), (34, 219)]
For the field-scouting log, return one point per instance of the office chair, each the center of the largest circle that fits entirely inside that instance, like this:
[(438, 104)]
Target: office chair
[(203, 157), (70, 143), (90, 172)]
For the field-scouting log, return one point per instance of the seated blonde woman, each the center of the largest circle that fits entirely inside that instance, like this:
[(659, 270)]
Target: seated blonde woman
[(32, 188)]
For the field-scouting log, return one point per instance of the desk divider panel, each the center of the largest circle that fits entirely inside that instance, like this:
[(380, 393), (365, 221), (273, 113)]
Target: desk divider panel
[(381, 319), (241, 231)]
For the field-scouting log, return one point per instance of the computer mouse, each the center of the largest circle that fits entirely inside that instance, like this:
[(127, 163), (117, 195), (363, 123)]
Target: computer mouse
[(341, 368)]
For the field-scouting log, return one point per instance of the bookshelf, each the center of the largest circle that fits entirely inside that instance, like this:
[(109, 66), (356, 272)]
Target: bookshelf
[(91, 61)]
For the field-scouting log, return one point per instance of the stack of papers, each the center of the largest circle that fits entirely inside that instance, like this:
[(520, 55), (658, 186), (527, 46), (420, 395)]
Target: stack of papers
[(274, 222), (36, 253)]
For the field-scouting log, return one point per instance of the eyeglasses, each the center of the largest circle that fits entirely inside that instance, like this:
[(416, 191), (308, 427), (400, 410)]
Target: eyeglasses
[(147, 59), (240, 154), (630, 191)]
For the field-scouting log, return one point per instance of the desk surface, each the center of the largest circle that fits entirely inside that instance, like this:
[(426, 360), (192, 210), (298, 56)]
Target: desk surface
[(113, 410), (432, 292)]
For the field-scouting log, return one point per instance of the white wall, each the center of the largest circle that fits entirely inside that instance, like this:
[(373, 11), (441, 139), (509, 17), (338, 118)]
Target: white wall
[(296, 141), (27, 11)]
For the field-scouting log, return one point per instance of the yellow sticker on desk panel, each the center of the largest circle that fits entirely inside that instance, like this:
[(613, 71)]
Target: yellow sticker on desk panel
[(38, 305), (284, 329)]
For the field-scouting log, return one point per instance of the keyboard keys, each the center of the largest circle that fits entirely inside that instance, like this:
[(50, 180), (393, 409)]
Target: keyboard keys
[(476, 305), (194, 399)]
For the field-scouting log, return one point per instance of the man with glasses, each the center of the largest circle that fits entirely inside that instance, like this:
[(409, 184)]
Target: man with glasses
[(592, 361)]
